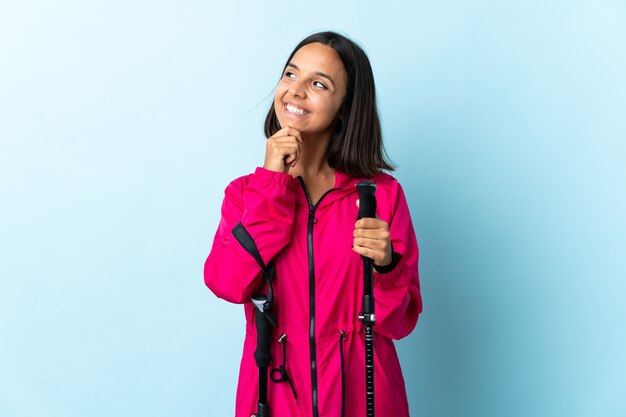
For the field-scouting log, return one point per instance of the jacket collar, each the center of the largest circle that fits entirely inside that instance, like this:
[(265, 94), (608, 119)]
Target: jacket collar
[(345, 181), (345, 185)]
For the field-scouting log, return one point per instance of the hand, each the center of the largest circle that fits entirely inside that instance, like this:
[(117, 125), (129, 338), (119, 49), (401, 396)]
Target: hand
[(372, 239), (282, 150)]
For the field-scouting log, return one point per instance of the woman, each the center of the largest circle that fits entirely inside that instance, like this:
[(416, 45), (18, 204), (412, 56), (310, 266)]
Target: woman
[(299, 209)]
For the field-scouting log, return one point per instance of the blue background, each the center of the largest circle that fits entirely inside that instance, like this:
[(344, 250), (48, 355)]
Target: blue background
[(121, 123)]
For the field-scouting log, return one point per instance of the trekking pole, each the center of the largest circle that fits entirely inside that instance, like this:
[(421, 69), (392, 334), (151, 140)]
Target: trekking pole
[(264, 320), (367, 208)]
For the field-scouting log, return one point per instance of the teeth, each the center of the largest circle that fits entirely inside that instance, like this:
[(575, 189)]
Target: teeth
[(295, 110)]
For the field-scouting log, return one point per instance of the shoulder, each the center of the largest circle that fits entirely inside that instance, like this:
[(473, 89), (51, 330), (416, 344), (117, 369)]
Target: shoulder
[(235, 189), (239, 183), (262, 180), (389, 195), (387, 187), (385, 179)]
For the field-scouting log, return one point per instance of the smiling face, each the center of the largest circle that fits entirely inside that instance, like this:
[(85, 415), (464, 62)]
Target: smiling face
[(311, 90)]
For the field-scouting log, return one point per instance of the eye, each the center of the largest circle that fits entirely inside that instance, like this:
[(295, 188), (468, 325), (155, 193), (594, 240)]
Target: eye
[(322, 85), (287, 73)]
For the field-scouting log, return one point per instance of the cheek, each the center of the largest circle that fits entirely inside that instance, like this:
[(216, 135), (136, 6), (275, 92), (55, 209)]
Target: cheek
[(332, 109), (277, 109), (279, 92), (278, 98)]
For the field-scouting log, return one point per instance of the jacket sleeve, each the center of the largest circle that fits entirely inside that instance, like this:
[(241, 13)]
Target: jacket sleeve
[(265, 206), (397, 293)]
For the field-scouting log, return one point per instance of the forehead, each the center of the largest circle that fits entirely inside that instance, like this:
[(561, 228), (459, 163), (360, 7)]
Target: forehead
[(318, 57)]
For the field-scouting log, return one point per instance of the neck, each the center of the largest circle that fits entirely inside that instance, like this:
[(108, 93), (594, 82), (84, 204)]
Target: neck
[(313, 164)]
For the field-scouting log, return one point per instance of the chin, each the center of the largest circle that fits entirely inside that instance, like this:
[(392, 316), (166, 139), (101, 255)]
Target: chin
[(290, 122)]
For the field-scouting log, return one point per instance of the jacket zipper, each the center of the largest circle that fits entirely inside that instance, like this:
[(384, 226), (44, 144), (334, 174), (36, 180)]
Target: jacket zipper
[(312, 352), (342, 337)]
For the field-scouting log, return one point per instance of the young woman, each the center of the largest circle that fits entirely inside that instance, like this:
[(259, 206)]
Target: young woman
[(300, 211)]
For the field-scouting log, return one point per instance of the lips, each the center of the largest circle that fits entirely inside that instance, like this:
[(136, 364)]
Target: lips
[(295, 110)]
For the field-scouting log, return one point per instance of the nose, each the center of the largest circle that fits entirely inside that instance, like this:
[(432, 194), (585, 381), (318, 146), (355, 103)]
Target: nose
[(297, 89)]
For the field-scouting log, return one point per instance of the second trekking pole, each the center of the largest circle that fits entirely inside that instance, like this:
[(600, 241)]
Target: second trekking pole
[(367, 208)]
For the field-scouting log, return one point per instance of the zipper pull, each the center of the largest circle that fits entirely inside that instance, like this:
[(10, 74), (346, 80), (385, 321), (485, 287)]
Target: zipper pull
[(280, 374)]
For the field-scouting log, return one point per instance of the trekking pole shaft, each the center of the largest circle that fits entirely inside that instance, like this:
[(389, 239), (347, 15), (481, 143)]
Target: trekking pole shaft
[(368, 318), (367, 208), (369, 370), (262, 406), (263, 357)]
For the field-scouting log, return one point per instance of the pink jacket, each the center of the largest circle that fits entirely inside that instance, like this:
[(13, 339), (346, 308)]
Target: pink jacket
[(318, 299)]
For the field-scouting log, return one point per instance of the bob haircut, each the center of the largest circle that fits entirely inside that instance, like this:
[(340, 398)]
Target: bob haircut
[(356, 146)]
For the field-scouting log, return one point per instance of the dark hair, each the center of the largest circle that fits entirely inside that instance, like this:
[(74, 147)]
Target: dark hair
[(356, 145)]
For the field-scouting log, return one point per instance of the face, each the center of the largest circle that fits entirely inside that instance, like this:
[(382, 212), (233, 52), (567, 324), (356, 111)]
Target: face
[(311, 90)]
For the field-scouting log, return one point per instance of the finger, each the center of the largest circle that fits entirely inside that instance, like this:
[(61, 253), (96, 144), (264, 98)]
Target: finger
[(291, 157), (286, 147), (294, 132), (379, 234), (295, 137), (369, 253), (279, 132), (284, 139), (287, 130), (371, 223), (374, 244), (290, 154)]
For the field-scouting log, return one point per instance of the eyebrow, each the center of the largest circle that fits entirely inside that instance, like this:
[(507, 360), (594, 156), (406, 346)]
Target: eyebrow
[(317, 72)]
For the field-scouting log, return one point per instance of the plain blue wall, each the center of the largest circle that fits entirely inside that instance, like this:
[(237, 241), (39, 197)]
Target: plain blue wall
[(122, 122)]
